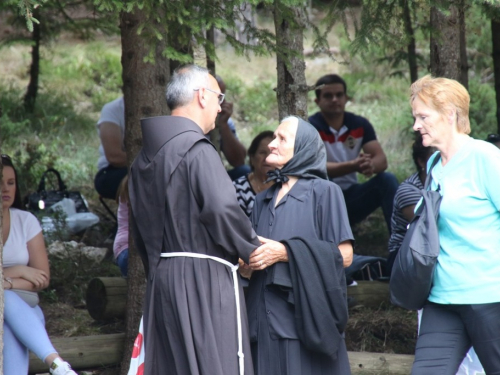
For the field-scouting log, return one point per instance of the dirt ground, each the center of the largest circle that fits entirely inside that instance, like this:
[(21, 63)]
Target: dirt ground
[(387, 329)]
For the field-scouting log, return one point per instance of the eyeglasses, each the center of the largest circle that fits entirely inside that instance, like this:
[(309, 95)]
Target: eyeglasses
[(219, 94)]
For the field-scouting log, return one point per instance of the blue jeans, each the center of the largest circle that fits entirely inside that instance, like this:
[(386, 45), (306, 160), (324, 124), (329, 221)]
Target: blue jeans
[(362, 199), (24, 328), (237, 172), (122, 262), (448, 331)]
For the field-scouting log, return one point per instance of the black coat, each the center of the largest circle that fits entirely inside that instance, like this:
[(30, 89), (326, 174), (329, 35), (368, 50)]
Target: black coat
[(319, 293)]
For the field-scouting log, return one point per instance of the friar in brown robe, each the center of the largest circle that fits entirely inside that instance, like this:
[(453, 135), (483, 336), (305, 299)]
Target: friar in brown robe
[(182, 201)]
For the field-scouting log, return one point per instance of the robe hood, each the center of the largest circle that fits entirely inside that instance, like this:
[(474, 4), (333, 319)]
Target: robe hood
[(156, 131)]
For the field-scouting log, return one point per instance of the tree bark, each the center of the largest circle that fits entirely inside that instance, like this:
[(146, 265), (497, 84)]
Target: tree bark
[(495, 38), (411, 48), (144, 93), (215, 132), (447, 43), (292, 89), (32, 91)]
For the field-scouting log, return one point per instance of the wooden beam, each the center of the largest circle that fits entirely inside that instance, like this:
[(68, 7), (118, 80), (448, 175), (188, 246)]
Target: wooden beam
[(380, 363), (85, 352), (369, 293), (107, 297), (90, 352)]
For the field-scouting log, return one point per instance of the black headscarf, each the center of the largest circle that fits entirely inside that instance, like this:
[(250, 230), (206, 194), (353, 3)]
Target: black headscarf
[(309, 156)]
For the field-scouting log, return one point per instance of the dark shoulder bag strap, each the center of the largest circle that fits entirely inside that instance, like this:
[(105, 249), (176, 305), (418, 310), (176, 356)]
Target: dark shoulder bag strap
[(428, 179)]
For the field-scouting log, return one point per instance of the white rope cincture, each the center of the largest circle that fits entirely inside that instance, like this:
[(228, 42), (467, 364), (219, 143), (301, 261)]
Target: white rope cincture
[(234, 269)]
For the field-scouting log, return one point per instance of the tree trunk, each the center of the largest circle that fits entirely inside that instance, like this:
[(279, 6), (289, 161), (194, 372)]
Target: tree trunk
[(144, 93), (495, 38), (215, 132), (292, 90), (31, 92), (447, 43), (411, 48)]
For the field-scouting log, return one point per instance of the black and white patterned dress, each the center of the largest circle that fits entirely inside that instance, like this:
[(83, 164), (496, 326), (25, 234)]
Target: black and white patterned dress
[(245, 194)]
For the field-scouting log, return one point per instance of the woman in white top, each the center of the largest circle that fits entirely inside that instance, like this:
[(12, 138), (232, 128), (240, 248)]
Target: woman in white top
[(25, 268)]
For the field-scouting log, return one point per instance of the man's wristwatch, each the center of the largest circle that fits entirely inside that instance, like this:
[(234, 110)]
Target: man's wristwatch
[(9, 280)]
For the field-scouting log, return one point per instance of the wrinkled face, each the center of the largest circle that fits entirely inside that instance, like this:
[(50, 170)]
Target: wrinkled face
[(431, 124), (8, 187), (282, 145), (332, 100), (258, 161), (212, 98)]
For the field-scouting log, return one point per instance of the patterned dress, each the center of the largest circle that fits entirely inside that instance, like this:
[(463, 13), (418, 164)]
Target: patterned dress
[(245, 194)]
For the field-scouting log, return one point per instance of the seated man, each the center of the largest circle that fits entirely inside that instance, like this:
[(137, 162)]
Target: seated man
[(112, 163), (352, 147), (231, 147)]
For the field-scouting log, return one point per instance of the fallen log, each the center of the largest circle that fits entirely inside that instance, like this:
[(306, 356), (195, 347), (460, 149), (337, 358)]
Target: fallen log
[(107, 298), (90, 352), (380, 363), (369, 293), (84, 352)]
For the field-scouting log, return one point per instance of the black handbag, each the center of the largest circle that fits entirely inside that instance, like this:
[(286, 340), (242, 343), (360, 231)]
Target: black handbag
[(413, 269), (43, 199)]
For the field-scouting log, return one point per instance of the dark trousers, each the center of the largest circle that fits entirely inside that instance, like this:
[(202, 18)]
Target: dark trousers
[(362, 199), (237, 172), (108, 179), (448, 331)]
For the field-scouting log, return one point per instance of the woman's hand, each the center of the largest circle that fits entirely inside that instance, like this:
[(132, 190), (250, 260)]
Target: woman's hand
[(267, 254), (245, 269), (347, 252), (37, 277)]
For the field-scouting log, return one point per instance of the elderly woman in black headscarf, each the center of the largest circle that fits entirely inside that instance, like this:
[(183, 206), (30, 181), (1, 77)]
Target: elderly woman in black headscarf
[(296, 300)]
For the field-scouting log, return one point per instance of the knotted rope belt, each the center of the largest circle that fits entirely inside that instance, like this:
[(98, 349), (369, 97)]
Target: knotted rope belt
[(234, 269)]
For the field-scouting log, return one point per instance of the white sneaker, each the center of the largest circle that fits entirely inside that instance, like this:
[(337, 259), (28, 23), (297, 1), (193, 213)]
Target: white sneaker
[(60, 367)]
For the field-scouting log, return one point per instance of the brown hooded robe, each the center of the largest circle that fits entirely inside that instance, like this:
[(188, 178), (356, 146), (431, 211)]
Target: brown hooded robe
[(182, 200)]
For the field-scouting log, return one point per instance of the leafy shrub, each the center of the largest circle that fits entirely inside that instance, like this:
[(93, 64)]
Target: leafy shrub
[(482, 109)]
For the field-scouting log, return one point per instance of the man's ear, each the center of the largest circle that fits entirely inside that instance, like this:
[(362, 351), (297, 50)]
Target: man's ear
[(316, 100), (200, 97)]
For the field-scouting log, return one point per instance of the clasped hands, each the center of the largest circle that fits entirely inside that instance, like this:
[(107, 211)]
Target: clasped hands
[(268, 253), (364, 164)]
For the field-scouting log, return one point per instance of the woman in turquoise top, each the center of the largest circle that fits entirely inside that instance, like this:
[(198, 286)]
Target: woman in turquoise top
[(463, 309)]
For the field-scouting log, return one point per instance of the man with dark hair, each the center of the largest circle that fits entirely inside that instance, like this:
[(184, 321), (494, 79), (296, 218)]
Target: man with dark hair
[(190, 232), (352, 147)]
